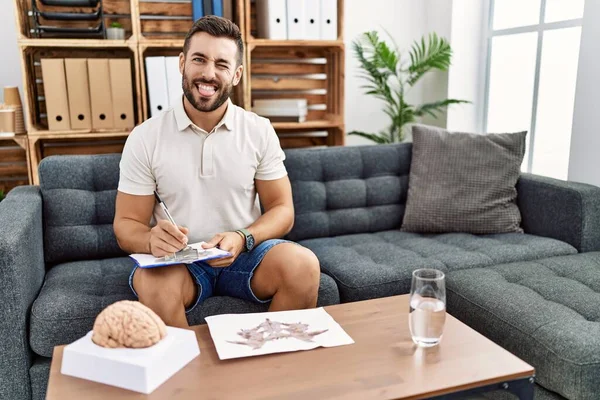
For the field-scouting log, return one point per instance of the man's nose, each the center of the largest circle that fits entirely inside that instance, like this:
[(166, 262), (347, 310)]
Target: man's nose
[(208, 71)]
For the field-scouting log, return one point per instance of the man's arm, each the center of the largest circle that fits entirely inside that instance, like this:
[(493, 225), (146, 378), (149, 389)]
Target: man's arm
[(133, 232), (278, 218)]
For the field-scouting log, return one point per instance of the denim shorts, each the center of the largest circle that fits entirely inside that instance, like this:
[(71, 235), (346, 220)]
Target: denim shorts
[(233, 280)]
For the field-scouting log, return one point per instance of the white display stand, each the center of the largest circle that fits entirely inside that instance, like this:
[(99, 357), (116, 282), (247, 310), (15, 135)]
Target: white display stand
[(140, 370)]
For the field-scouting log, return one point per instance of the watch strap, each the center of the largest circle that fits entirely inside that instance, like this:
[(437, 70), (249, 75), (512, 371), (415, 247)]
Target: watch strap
[(245, 233)]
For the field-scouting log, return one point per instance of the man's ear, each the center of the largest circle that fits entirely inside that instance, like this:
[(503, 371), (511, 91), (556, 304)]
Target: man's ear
[(238, 75), (181, 62)]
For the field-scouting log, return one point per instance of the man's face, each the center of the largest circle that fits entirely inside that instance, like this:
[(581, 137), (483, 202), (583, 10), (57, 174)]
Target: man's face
[(209, 71)]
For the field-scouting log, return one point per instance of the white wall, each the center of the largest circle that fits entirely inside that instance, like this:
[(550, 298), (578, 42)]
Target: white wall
[(434, 85), (466, 80), (10, 68), (584, 160)]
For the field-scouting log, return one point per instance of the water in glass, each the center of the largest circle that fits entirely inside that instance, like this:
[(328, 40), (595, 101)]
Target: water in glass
[(427, 307)]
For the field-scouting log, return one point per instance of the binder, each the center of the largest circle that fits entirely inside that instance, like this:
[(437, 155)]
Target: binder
[(312, 19), (329, 20), (78, 92), (271, 17), (174, 80), (296, 19), (121, 88), (156, 80), (217, 7), (55, 92), (197, 9), (100, 97)]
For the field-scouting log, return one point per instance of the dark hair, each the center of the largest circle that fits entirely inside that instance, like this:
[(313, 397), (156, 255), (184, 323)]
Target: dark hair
[(217, 27)]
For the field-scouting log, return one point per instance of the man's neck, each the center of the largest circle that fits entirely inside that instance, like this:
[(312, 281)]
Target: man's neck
[(206, 120)]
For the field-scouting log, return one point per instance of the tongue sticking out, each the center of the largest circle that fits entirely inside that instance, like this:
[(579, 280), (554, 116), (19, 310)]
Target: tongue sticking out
[(206, 90)]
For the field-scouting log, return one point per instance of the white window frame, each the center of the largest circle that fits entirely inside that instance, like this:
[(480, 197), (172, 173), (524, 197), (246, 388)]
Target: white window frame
[(540, 27)]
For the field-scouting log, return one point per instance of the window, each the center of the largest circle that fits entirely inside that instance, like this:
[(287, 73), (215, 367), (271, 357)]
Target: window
[(533, 51)]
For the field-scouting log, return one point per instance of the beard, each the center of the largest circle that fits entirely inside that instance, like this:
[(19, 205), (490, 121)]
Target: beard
[(204, 104)]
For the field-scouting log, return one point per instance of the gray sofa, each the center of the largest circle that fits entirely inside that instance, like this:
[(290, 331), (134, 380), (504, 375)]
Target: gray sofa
[(533, 293)]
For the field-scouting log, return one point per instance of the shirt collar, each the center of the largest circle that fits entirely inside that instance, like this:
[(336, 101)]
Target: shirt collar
[(183, 121)]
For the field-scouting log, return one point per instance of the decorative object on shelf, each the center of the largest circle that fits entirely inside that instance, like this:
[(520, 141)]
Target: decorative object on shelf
[(7, 118), (390, 76), (128, 324), (64, 21), (115, 31), (12, 99)]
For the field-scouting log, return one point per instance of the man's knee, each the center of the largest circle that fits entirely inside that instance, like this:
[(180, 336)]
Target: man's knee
[(301, 270), (161, 282)]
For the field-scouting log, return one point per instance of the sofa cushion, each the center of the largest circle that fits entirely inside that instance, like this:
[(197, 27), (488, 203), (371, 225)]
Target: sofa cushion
[(74, 293), (79, 207), (380, 264), (463, 182), (546, 312), (340, 191)]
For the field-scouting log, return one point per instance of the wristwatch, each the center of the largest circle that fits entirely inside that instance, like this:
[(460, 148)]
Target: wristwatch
[(248, 238)]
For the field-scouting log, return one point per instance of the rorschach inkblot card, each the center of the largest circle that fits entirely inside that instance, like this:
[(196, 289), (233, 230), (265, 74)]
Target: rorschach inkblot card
[(245, 335)]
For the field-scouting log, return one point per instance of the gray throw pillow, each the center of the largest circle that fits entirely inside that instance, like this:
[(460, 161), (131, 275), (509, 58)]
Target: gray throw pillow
[(463, 182)]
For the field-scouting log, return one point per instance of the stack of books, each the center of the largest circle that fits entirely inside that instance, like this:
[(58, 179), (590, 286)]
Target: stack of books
[(282, 110)]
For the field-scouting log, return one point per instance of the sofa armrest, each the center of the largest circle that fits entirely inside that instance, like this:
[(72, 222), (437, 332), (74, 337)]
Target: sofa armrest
[(22, 272), (567, 211)]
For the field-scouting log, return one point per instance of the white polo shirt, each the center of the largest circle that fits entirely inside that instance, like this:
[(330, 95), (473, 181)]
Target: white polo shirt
[(205, 179)]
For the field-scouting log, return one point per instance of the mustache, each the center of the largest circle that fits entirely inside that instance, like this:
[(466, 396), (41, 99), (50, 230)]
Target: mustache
[(207, 82)]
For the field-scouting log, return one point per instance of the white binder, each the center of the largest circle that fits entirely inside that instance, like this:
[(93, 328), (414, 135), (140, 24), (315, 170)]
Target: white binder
[(173, 80), (296, 19), (329, 20), (156, 80), (271, 19), (312, 19)]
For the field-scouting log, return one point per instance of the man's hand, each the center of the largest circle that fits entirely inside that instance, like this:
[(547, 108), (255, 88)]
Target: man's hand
[(228, 241), (166, 238)]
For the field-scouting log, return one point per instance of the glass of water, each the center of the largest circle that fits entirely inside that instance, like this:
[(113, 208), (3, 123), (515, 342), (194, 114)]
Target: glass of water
[(427, 307)]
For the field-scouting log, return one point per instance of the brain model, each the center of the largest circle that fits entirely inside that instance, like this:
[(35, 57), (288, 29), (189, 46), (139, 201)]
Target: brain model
[(128, 324)]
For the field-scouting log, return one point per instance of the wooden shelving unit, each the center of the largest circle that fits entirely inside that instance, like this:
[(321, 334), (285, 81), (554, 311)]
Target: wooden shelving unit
[(14, 161), (311, 69)]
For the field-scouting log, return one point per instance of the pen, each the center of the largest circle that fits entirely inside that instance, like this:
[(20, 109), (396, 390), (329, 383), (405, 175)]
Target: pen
[(164, 207)]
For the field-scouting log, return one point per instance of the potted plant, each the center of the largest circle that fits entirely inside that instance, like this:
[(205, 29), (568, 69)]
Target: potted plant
[(115, 31), (390, 76)]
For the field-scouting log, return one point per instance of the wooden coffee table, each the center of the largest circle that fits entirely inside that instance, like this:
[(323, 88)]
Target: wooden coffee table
[(382, 364)]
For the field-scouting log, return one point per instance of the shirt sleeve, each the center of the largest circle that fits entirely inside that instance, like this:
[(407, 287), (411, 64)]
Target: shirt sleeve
[(271, 165), (135, 169)]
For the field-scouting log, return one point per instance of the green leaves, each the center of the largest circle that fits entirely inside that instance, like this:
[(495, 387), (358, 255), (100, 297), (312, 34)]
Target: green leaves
[(424, 57), (436, 107), (381, 139), (388, 79)]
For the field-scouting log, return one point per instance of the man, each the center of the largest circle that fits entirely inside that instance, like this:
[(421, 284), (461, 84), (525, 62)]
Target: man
[(208, 159)]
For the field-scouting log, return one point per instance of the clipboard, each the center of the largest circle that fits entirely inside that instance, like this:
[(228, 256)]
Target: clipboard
[(194, 252)]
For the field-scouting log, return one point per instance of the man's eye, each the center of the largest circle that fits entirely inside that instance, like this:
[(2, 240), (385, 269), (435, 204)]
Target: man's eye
[(198, 59), (222, 65)]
